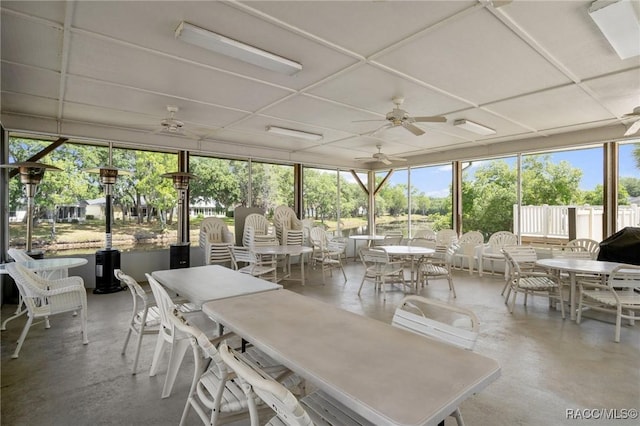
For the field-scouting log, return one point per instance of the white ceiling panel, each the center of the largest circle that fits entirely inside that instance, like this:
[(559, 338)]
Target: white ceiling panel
[(620, 92), (50, 10), (380, 24), (477, 58), (29, 105), (30, 42), (28, 80)]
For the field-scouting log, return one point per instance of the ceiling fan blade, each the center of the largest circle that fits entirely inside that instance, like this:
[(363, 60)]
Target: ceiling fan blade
[(392, 158), (384, 160), (379, 129), (413, 129), (362, 121), (365, 159), (633, 128), (434, 119)]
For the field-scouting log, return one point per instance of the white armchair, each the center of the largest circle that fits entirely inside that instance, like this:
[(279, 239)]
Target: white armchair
[(44, 298), (258, 230), (492, 251), (467, 247), (289, 228), (215, 237)]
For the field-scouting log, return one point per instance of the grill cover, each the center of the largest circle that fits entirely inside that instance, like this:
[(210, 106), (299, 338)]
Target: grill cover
[(623, 247)]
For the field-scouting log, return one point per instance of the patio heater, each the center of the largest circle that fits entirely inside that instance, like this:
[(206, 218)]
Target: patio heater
[(108, 258), (31, 174), (179, 252)]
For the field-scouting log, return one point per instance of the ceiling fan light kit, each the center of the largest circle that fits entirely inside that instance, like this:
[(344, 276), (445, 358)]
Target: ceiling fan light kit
[(218, 43), (474, 127), (294, 133), (619, 23)]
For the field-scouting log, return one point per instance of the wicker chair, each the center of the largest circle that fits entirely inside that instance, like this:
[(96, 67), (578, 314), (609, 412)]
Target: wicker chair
[(463, 332), (44, 298), (317, 408), (214, 239), (620, 295)]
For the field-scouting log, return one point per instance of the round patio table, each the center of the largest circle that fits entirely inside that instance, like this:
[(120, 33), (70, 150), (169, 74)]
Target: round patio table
[(412, 252)]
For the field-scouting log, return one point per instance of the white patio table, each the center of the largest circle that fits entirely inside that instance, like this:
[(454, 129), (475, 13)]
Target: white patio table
[(200, 284), (287, 252), (368, 238), (60, 264), (388, 375), (412, 252), (577, 266)]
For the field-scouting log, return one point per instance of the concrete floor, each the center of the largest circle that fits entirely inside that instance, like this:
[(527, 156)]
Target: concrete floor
[(549, 365)]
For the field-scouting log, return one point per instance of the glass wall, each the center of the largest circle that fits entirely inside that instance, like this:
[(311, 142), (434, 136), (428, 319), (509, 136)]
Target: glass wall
[(271, 186), (629, 185), (354, 204), (431, 198)]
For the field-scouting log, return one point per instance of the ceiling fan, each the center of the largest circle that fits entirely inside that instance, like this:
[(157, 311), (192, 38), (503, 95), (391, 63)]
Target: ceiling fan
[(635, 126), (171, 125), (381, 157), (399, 117)]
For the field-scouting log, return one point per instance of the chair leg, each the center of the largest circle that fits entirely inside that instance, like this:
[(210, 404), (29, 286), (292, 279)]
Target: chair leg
[(618, 323), (561, 302), (178, 349), (157, 354), (458, 416), (451, 287), (513, 301), (83, 325), (126, 339), (23, 335), (361, 284)]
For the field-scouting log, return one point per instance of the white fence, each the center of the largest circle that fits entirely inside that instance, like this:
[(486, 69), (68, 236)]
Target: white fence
[(554, 221)]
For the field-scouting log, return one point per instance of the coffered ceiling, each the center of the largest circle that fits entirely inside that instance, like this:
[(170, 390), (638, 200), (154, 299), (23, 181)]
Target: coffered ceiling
[(538, 72)]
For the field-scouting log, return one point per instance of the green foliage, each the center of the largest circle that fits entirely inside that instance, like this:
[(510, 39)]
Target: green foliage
[(631, 185)]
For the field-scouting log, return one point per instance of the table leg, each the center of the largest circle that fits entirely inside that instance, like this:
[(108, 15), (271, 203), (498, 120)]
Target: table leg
[(302, 268), (572, 295)]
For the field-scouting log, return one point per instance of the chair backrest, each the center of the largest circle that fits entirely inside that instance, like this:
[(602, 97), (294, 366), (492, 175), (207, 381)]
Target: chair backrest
[(519, 256), (411, 315), (500, 239), (256, 225), (571, 254), (19, 255), (284, 218), (391, 239), (444, 237), (134, 288), (428, 234), (257, 382), (370, 256), (423, 242), (30, 285), (165, 305), (585, 244), (318, 237), (625, 276), (214, 230), (242, 255), (470, 240)]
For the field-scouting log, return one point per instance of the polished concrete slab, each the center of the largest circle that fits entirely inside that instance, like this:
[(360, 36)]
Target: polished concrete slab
[(549, 366)]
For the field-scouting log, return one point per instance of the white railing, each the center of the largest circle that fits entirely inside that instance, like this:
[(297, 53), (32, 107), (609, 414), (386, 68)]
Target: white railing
[(553, 221)]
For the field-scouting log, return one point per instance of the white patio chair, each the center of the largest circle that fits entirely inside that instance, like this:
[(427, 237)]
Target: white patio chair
[(325, 254), (263, 267), (466, 248), (438, 266), (411, 315), (145, 317), (391, 238), (380, 270), (214, 239), (258, 230), (178, 341), (215, 394), (288, 227), (44, 298), (428, 234), (492, 251), (317, 408), (523, 279), (526, 257), (445, 237), (620, 296), (585, 244)]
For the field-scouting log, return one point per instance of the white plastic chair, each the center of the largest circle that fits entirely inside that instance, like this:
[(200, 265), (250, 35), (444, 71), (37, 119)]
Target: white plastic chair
[(585, 244), (620, 295), (428, 234), (316, 408), (325, 253), (288, 226), (214, 239), (438, 266), (44, 298), (463, 332), (492, 251), (145, 317), (391, 238), (466, 248), (529, 281), (265, 267), (178, 341), (380, 270), (445, 237), (257, 229), (215, 394)]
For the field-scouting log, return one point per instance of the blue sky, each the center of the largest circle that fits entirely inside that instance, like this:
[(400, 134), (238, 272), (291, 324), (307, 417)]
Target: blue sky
[(434, 181)]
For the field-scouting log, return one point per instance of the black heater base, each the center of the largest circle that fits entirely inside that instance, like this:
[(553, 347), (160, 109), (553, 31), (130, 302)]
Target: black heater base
[(106, 262), (179, 256)]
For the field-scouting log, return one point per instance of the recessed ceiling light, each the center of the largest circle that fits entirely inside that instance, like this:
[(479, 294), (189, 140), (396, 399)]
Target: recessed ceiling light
[(474, 127), (224, 45), (294, 133)]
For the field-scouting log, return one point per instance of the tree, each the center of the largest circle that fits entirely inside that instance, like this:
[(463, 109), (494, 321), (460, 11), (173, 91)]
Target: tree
[(631, 185), (215, 182)]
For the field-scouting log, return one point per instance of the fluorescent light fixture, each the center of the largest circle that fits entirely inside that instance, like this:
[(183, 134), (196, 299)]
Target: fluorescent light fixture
[(294, 133), (474, 127), (220, 44), (619, 23)]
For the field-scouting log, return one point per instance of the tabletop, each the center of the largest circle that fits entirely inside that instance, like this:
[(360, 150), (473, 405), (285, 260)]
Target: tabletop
[(292, 250), (367, 237), (587, 266), (211, 282), (51, 264), (407, 250), (386, 374)]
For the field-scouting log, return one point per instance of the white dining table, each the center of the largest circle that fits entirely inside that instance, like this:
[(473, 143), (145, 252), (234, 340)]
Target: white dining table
[(287, 252), (59, 264), (577, 266), (412, 252), (200, 284), (368, 238), (386, 374)]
